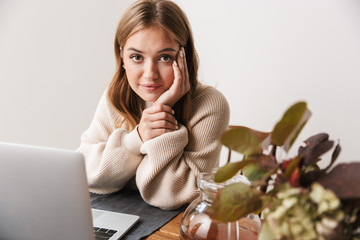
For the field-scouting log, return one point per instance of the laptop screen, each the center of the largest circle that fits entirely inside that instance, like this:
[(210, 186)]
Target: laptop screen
[(44, 194)]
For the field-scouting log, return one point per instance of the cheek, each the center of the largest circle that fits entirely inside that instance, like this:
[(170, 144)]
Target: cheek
[(132, 73), (167, 75)]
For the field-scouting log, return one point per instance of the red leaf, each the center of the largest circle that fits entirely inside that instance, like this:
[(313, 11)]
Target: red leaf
[(343, 180), (295, 178)]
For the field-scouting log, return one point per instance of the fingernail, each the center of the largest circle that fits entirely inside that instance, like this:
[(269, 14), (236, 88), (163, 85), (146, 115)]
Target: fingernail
[(176, 122), (173, 112), (175, 63), (181, 53)]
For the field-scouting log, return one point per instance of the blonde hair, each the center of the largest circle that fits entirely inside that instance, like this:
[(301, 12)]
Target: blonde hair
[(142, 14)]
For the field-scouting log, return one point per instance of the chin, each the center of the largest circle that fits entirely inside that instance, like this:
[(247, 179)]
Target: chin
[(149, 98)]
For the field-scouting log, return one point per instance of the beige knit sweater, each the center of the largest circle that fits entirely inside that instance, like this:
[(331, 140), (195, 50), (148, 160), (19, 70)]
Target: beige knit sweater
[(164, 168)]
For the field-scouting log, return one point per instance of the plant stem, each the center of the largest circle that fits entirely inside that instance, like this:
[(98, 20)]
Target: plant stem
[(229, 156), (273, 152)]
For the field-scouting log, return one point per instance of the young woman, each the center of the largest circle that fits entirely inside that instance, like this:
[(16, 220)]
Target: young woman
[(155, 128)]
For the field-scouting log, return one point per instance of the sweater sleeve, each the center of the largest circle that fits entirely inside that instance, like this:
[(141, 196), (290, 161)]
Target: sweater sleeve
[(112, 154), (166, 177)]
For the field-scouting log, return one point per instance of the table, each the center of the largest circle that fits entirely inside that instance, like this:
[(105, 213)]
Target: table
[(170, 231), (151, 218)]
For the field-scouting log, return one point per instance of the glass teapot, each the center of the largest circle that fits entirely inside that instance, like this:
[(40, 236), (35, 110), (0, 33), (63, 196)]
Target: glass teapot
[(196, 224)]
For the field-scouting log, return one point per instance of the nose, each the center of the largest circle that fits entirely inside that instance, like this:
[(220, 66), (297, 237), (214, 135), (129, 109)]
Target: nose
[(151, 71)]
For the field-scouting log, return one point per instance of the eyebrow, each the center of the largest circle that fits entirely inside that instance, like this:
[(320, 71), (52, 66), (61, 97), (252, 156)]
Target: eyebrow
[(162, 50)]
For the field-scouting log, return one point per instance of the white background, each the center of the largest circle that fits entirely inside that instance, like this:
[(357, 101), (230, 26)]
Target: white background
[(56, 58)]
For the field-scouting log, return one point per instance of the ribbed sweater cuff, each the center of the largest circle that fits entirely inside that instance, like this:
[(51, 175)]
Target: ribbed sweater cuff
[(167, 145), (130, 140)]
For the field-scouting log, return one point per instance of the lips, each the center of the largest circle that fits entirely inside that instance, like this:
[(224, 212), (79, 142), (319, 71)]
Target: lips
[(150, 87)]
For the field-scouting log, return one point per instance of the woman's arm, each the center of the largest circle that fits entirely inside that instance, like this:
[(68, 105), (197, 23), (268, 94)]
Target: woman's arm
[(166, 177), (112, 154)]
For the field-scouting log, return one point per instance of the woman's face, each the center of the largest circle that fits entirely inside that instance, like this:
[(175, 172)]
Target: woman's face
[(147, 58)]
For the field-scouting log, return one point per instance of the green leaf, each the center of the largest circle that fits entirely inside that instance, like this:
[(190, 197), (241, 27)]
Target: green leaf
[(269, 200), (235, 201), (244, 140), (254, 172), (288, 128), (263, 181), (261, 169), (229, 170)]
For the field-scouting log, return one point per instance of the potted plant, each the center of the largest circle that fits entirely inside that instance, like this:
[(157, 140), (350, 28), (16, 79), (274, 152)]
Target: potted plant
[(295, 197)]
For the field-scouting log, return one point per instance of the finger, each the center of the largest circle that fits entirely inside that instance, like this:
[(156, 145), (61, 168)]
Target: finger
[(163, 124), (186, 82), (181, 63), (162, 116), (164, 108), (178, 66), (186, 75), (158, 107), (156, 113), (177, 74), (150, 130)]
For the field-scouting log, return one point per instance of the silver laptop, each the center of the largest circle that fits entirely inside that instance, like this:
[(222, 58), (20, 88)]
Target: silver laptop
[(44, 195)]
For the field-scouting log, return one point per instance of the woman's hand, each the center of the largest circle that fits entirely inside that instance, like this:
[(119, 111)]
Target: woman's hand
[(181, 84), (155, 121)]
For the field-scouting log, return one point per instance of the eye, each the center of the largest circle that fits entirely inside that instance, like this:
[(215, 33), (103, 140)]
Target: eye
[(136, 57), (166, 58)]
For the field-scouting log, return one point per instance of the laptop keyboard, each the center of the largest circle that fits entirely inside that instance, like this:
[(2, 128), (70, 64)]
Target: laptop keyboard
[(103, 233)]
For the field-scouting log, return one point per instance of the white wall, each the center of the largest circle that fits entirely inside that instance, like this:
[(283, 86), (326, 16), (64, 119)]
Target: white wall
[(56, 57)]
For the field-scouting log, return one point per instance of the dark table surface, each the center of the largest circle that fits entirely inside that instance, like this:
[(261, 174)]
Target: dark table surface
[(130, 201)]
